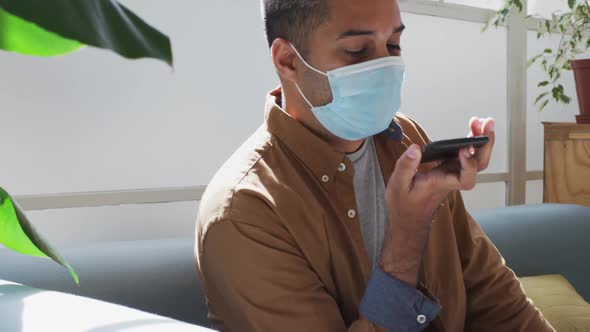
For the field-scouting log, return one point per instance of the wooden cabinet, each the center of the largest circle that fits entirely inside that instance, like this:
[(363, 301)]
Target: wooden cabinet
[(567, 163)]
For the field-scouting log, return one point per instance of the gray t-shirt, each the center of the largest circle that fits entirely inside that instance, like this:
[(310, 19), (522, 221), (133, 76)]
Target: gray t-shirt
[(369, 188)]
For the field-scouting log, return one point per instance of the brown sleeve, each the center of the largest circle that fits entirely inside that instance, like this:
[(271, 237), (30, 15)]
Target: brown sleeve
[(258, 281), (495, 298)]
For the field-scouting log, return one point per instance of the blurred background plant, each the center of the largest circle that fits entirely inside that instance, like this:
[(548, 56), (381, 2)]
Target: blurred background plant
[(53, 28), (574, 30)]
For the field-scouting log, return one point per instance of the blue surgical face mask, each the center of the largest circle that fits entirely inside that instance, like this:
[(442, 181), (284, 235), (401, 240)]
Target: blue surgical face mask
[(365, 97)]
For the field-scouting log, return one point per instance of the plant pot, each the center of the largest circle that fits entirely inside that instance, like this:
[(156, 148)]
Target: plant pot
[(582, 75)]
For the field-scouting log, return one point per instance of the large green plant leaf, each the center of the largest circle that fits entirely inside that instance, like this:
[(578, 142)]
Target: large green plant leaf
[(18, 35), (18, 234), (101, 23)]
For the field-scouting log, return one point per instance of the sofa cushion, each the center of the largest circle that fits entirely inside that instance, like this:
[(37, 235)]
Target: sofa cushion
[(542, 239), (557, 299)]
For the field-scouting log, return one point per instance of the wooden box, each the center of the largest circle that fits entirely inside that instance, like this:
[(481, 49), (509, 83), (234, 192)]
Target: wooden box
[(567, 163)]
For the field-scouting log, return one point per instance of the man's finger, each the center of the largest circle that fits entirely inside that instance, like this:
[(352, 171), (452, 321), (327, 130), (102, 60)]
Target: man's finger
[(488, 125), (475, 126), (405, 168), (469, 168), (436, 181), (484, 153)]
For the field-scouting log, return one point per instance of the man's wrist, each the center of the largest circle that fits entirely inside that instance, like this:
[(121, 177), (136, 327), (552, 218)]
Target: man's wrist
[(407, 275), (402, 253)]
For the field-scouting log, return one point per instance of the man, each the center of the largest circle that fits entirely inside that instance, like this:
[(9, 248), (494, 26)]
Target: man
[(325, 220)]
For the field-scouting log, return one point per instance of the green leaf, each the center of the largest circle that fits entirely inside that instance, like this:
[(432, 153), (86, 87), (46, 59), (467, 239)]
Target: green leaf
[(551, 71), (541, 96), (578, 51), (518, 4), (555, 93), (544, 105), (17, 233), (548, 50), (485, 26), (533, 60), (100, 23), (571, 3), (542, 84), (18, 35), (565, 99)]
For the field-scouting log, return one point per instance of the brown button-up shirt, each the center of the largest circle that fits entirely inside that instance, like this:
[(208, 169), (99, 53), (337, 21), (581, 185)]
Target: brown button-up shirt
[(277, 248)]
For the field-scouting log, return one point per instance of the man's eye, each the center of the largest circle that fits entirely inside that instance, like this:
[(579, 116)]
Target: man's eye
[(357, 53), (394, 48)]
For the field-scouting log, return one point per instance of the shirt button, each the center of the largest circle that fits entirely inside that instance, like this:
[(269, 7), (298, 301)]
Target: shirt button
[(421, 319), (351, 213), (325, 179), (342, 167)]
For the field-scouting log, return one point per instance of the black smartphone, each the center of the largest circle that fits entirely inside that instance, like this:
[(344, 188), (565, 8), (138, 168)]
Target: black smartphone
[(449, 149)]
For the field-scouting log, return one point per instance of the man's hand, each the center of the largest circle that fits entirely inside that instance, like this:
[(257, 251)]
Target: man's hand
[(481, 127), (413, 198)]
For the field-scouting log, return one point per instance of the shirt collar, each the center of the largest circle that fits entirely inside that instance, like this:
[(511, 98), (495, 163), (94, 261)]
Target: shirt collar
[(315, 153)]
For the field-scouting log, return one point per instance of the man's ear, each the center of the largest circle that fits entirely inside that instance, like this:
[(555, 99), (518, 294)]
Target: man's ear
[(284, 59)]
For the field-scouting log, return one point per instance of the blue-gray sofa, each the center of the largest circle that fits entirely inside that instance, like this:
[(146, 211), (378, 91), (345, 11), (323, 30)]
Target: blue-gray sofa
[(159, 276)]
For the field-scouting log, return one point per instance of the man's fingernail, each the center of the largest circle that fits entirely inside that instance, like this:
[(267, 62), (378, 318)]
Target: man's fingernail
[(467, 153), (412, 152), (492, 126)]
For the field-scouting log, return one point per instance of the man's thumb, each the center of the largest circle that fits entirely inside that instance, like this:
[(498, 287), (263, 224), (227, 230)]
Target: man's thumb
[(413, 155), (407, 164)]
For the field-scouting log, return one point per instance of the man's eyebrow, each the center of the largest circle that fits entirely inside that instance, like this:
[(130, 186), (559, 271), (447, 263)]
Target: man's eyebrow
[(352, 33)]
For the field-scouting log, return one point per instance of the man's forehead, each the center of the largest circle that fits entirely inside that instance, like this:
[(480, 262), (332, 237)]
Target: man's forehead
[(365, 14)]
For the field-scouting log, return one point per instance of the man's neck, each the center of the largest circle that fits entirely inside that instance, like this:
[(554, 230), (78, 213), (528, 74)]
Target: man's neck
[(305, 116)]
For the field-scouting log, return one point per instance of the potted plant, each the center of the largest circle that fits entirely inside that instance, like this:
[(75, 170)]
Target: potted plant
[(573, 27), (57, 27)]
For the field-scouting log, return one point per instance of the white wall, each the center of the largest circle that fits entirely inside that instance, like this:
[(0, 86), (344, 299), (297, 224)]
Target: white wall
[(94, 121), (116, 223), (488, 4), (456, 72), (544, 8)]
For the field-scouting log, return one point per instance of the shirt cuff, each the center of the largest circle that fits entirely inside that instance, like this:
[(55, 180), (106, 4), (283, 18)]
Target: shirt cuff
[(396, 306)]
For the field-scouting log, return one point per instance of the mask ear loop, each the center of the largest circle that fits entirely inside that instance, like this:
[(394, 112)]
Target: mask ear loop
[(303, 95), (305, 62), (310, 67)]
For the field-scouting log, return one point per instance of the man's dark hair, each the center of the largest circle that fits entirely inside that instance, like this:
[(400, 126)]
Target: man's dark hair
[(293, 20)]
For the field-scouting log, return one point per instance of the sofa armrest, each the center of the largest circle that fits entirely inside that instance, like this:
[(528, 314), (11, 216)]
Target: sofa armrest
[(156, 276), (543, 239)]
